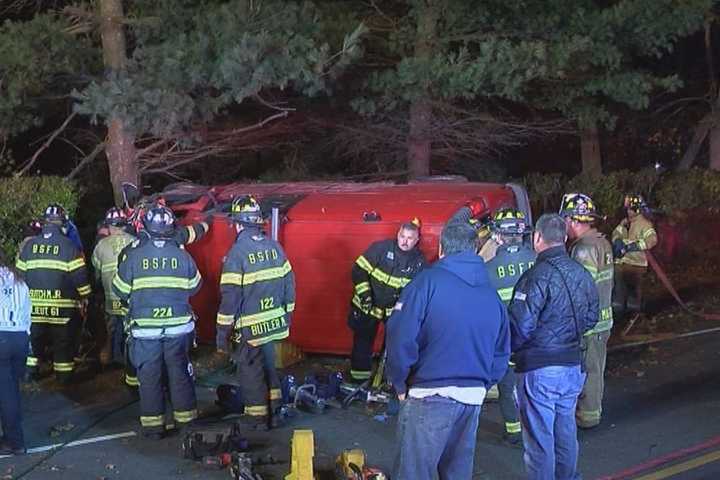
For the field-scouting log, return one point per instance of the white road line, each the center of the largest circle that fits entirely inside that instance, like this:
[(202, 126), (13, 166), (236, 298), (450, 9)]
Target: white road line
[(77, 443)]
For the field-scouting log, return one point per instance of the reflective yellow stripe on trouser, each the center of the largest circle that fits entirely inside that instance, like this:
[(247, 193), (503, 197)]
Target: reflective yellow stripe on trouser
[(360, 374), (152, 421), (131, 381), (588, 417), (63, 367), (31, 362), (257, 410), (513, 427), (185, 416), (275, 394)]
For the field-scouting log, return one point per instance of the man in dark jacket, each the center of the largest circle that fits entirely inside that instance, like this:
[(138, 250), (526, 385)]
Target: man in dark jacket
[(553, 305), (378, 277), (447, 343)]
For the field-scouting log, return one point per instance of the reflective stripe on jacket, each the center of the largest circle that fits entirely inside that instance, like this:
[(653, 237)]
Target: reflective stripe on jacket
[(105, 260), (594, 252), (640, 231), (258, 290), (380, 274), (157, 279), (55, 272)]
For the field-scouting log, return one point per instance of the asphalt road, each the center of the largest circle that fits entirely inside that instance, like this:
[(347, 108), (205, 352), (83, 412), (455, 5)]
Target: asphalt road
[(659, 400)]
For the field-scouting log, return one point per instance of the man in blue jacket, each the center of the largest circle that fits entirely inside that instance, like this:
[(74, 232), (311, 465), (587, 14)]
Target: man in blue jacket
[(553, 305), (447, 343)]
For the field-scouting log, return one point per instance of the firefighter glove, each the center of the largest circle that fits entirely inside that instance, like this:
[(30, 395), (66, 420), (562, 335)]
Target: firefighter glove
[(366, 302), (632, 247), (619, 248), (477, 206)]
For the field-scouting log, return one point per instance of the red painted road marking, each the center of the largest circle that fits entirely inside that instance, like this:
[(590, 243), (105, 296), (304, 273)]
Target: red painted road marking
[(667, 458)]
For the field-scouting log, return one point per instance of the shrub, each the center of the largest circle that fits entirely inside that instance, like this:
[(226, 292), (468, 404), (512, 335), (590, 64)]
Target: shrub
[(25, 198)]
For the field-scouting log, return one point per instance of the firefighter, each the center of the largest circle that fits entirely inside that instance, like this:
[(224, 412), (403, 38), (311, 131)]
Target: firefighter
[(631, 238), (476, 213), (258, 297), (593, 251), (157, 278), (55, 272), (105, 260), (378, 277), (513, 257), (182, 236)]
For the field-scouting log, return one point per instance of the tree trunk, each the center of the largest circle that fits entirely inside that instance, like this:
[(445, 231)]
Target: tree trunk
[(590, 150), (420, 137), (701, 131), (120, 150), (715, 146)]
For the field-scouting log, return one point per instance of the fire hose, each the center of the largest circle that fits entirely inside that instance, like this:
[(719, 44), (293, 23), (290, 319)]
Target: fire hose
[(662, 276), (670, 288)]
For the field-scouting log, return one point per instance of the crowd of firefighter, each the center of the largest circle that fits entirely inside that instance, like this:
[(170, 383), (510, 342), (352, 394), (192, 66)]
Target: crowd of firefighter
[(148, 279)]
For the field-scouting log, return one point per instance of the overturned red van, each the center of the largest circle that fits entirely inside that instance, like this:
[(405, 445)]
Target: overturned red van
[(324, 227)]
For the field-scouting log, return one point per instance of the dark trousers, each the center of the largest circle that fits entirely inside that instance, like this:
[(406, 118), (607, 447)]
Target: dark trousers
[(628, 290), (114, 349), (508, 402), (13, 354), (131, 379), (162, 363), (58, 342), (258, 379), (364, 329), (436, 437)]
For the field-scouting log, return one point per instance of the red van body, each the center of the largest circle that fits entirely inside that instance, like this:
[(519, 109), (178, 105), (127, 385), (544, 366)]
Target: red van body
[(324, 227)]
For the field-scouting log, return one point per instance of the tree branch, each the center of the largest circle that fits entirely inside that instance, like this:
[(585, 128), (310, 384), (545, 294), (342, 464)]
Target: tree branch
[(28, 165), (85, 161)]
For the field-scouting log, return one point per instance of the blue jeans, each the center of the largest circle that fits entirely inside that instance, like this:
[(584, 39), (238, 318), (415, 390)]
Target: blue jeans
[(14, 347), (436, 436), (547, 398)]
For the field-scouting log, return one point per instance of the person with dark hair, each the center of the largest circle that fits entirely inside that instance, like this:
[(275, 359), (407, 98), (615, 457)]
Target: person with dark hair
[(378, 277), (447, 343), (14, 346), (553, 305)]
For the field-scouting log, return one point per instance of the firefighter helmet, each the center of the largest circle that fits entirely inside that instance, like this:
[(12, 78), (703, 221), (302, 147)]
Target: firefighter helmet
[(55, 214), (116, 217), (578, 207), (159, 221), (635, 202), (510, 221), (246, 211)]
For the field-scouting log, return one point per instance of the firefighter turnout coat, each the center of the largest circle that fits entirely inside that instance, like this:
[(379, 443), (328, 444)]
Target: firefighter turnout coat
[(641, 231), (56, 275), (594, 252), (380, 274), (157, 279), (105, 260), (258, 290)]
